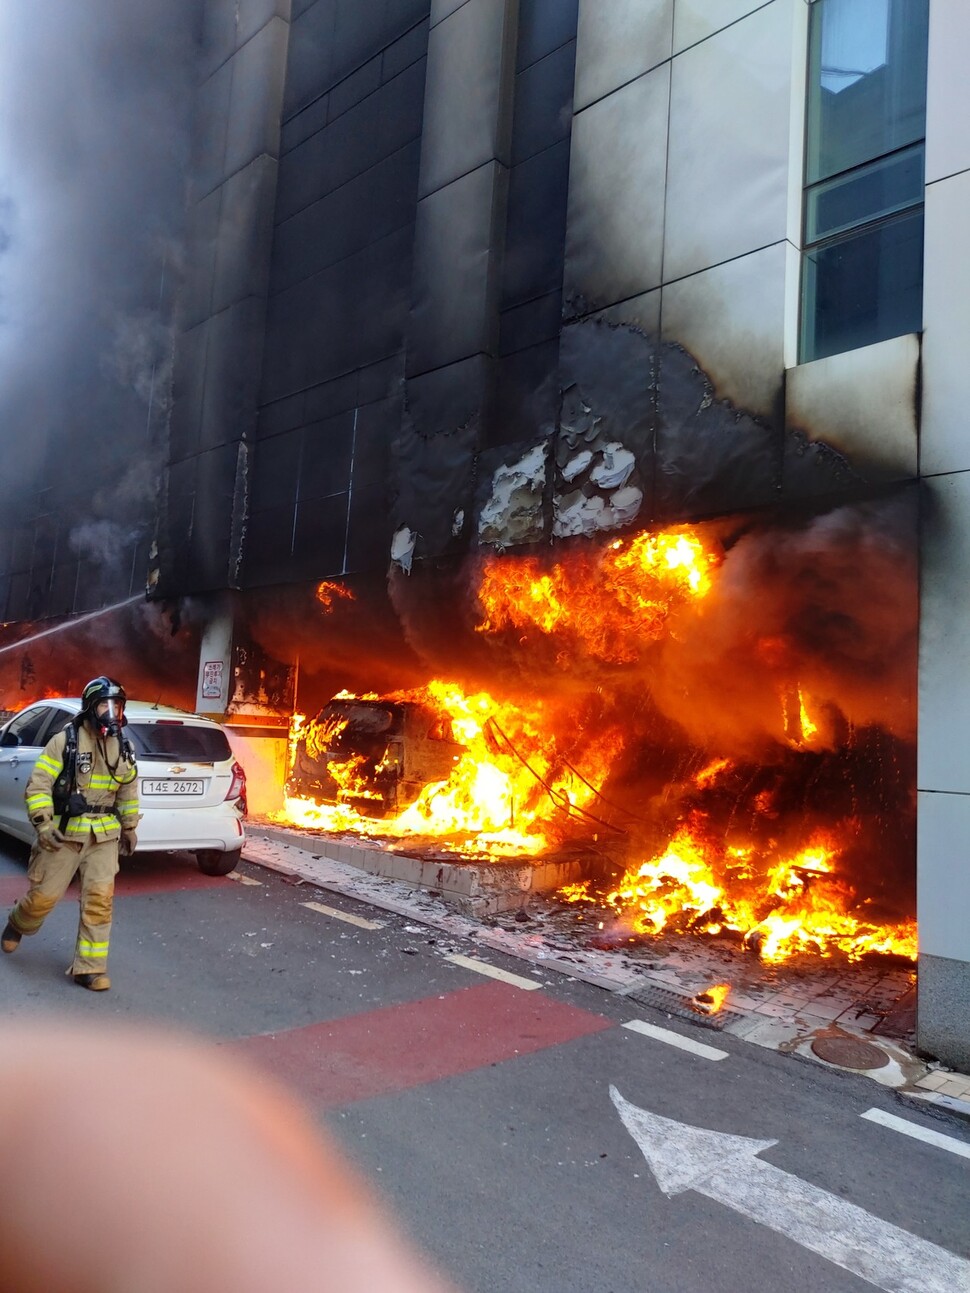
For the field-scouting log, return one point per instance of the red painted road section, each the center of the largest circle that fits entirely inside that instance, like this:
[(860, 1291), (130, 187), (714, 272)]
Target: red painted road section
[(398, 1047)]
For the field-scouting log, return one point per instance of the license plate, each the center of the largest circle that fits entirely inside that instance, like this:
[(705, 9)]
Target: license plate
[(172, 787)]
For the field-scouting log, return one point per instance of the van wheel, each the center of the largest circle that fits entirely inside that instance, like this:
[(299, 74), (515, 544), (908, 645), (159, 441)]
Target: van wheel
[(216, 862)]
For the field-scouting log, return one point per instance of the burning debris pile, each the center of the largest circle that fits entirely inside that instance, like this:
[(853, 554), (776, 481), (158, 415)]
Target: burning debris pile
[(722, 714)]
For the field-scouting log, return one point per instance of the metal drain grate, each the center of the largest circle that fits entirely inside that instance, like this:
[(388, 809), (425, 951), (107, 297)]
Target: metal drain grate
[(675, 1003)]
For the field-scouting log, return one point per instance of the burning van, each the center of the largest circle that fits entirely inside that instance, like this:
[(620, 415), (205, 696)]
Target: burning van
[(373, 755)]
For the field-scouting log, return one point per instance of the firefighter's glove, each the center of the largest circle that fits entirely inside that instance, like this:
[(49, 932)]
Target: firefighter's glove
[(50, 838), (127, 845)]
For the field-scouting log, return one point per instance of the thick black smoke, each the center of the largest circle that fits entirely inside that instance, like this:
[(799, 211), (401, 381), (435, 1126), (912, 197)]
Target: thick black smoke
[(96, 100)]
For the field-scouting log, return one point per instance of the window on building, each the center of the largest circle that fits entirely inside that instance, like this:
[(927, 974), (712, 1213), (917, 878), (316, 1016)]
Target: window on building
[(862, 272)]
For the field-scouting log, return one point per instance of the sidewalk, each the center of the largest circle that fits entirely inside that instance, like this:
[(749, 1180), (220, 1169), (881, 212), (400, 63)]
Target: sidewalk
[(854, 1020)]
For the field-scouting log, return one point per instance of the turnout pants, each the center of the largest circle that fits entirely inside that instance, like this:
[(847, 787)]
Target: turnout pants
[(50, 873)]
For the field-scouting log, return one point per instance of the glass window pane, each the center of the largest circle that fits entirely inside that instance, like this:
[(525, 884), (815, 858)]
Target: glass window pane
[(891, 184), (863, 288), (867, 81)]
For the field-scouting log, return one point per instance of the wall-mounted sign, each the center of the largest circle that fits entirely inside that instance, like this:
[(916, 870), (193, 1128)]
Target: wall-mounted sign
[(212, 679)]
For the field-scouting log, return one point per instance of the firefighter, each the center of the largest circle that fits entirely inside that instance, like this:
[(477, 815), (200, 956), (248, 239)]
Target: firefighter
[(82, 799)]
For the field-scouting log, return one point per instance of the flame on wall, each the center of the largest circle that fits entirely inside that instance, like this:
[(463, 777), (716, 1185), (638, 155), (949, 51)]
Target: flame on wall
[(720, 717)]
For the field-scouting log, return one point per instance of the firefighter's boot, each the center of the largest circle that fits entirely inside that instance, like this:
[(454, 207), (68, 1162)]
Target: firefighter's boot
[(10, 939), (95, 982)]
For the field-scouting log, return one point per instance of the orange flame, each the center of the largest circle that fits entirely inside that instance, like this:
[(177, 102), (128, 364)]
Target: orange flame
[(511, 792), (789, 905), (612, 602), (328, 592), (530, 772)]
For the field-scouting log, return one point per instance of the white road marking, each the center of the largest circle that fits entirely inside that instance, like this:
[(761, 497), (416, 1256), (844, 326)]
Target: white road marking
[(493, 972), (243, 879), (725, 1168), (917, 1132), (675, 1039), (359, 921)]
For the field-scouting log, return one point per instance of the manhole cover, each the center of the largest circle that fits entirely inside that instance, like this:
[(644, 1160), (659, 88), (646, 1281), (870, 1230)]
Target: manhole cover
[(849, 1053)]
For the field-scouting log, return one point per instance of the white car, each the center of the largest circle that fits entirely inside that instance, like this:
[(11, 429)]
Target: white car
[(191, 790)]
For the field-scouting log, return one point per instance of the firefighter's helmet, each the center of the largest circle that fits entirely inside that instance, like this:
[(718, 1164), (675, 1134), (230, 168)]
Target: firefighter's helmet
[(104, 689)]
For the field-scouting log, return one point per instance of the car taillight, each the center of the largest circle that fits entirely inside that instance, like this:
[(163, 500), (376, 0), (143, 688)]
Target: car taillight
[(237, 786)]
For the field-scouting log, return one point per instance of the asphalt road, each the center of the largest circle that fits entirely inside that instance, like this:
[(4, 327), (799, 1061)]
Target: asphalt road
[(481, 1111)]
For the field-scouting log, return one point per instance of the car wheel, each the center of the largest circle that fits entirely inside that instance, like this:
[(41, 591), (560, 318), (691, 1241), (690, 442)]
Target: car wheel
[(216, 861)]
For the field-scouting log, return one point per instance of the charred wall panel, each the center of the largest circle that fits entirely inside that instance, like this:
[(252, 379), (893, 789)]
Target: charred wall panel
[(340, 289)]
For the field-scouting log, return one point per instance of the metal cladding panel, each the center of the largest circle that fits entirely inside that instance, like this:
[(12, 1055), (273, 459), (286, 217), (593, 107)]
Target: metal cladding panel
[(202, 231), (256, 96), (465, 125), (526, 404), (347, 93), (944, 699), (354, 142), (612, 371), (269, 546), (381, 380), (449, 397), (188, 389), (218, 33), (732, 320), (543, 95), (211, 131), (544, 25), (535, 235), (696, 20), (245, 232), (407, 49), (212, 521), (944, 445), (310, 62), (863, 403), (319, 538), (328, 449), (298, 128), (348, 315), (615, 237), (232, 373), (369, 531), (730, 141), (947, 119), (363, 211), (710, 456), (329, 398), (275, 471), (451, 317), (534, 321), (618, 42), (944, 878), (377, 425), (433, 475), (281, 415), (253, 15)]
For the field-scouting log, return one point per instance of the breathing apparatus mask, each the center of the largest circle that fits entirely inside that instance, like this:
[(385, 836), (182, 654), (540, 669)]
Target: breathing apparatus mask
[(110, 717), (103, 704)]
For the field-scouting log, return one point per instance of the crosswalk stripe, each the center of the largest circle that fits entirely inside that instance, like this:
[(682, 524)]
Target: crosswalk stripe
[(675, 1039), (359, 921), (917, 1132), (493, 972)]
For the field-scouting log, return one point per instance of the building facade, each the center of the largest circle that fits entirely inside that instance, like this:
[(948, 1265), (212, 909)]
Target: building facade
[(469, 275)]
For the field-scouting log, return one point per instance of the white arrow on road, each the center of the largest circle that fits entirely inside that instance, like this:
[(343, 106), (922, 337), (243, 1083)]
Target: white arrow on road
[(726, 1168)]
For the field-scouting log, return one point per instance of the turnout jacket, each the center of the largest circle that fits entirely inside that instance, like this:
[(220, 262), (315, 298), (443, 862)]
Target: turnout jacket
[(112, 797)]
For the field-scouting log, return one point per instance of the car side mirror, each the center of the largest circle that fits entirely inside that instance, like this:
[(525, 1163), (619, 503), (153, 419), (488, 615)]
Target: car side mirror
[(9, 739)]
